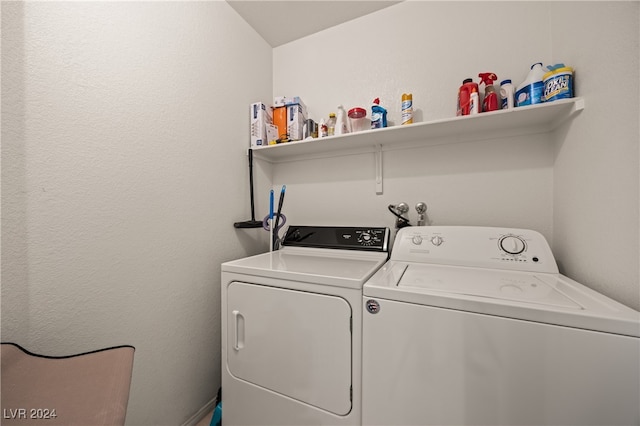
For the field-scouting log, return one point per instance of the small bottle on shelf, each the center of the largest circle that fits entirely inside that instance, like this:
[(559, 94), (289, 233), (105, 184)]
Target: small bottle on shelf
[(474, 102), (407, 108), (322, 129), (342, 125), (331, 124)]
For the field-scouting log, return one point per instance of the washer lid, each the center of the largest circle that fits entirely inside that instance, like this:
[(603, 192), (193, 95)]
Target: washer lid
[(532, 296), (339, 268), (506, 285)]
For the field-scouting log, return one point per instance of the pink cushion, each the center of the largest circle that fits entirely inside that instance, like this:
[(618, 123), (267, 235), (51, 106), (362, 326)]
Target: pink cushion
[(86, 389)]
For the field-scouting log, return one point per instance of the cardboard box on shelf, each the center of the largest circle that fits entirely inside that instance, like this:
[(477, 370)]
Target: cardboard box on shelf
[(280, 120), (296, 116), (290, 121), (260, 116), (284, 101), (272, 133)]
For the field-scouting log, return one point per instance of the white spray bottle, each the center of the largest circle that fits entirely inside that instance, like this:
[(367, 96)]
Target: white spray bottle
[(342, 124)]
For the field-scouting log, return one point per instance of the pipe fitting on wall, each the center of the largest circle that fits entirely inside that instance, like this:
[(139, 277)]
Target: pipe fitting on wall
[(421, 208), (399, 211)]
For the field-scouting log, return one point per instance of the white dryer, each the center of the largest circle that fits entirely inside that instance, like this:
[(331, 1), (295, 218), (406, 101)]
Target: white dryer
[(475, 326), (291, 328)]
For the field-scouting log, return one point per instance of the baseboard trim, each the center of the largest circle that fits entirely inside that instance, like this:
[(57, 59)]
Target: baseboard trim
[(201, 413)]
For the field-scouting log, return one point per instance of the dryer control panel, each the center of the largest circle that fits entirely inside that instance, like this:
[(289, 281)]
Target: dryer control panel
[(338, 237), (487, 247)]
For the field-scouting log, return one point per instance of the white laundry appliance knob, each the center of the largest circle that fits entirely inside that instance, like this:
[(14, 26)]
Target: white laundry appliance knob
[(436, 240), (512, 244)]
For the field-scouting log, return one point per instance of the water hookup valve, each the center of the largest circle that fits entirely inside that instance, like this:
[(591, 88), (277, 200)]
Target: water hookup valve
[(401, 210)]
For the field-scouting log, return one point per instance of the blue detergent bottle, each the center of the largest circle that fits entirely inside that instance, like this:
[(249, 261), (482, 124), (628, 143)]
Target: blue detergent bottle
[(378, 115), (531, 90)]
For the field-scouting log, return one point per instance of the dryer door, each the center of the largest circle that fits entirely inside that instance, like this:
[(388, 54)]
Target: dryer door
[(291, 342)]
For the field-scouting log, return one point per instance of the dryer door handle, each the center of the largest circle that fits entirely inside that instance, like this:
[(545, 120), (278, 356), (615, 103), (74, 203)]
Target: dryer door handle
[(238, 325)]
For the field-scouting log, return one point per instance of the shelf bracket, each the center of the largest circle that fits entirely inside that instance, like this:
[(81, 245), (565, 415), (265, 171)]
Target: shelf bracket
[(378, 160), (578, 105)]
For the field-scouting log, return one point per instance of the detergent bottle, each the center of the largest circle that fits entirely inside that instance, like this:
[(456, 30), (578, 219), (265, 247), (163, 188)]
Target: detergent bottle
[(531, 90), (506, 94), (378, 115), (490, 102), (464, 96)]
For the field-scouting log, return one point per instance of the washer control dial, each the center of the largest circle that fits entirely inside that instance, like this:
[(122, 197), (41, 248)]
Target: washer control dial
[(512, 244), (366, 238), (436, 240), (417, 240)]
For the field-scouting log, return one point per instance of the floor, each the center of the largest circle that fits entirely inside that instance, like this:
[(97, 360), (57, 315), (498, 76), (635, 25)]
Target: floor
[(206, 420)]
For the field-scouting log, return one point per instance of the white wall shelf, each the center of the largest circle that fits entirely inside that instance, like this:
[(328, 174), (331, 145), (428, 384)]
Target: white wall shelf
[(540, 118)]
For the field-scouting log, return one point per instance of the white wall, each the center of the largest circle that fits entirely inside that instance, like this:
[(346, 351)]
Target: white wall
[(123, 137), (428, 48), (124, 132), (424, 48), (596, 216)]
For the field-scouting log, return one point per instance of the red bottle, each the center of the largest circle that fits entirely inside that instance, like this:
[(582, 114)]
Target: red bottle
[(491, 101), (464, 96)]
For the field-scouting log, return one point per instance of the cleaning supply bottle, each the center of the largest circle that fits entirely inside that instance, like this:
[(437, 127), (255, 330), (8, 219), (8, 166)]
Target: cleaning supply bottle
[(342, 123), (407, 108), (506, 94), (464, 96), (530, 91), (474, 101), (378, 115), (323, 130), (331, 124), (490, 102)]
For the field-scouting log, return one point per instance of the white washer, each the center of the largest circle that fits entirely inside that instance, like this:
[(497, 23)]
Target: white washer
[(475, 326), (292, 328)]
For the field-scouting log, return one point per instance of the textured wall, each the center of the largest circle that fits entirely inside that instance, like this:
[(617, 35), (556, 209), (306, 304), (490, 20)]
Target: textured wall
[(597, 185), (124, 130), (427, 49), (581, 192), (123, 135)]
